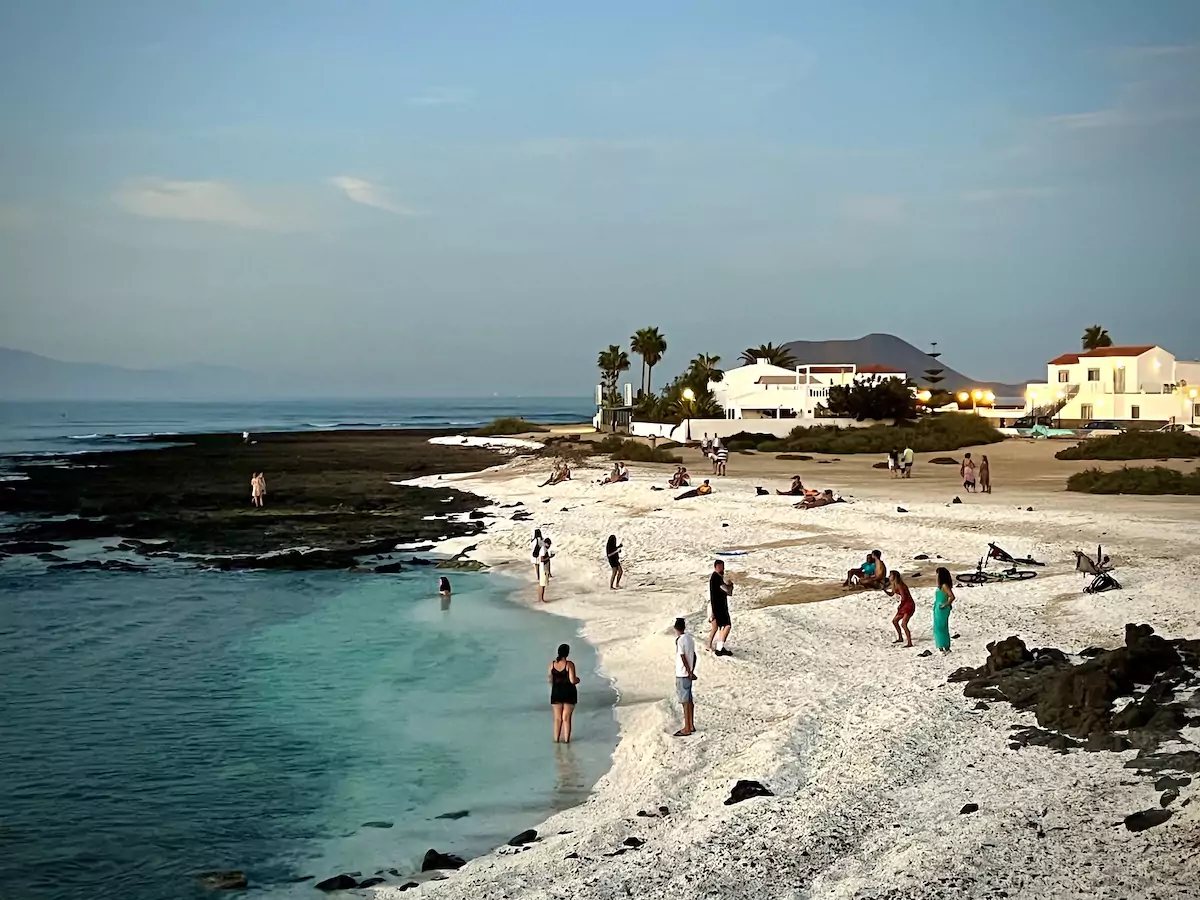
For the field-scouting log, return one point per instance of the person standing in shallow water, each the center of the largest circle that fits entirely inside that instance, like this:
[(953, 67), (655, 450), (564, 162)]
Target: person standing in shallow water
[(943, 603), (563, 693), (544, 570), (613, 551)]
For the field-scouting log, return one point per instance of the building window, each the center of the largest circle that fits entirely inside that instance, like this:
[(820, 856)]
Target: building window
[(1135, 412), (1063, 376), (1093, 374), (1085, 411)]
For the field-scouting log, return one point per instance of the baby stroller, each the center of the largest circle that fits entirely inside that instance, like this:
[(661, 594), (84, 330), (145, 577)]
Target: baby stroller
[(1099, 569), (1001, 555)]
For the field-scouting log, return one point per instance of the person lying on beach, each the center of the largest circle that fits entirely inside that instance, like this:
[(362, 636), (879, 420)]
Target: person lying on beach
[(904, 610), (871, 574), (796, 490), (703, 491), (814, 500)]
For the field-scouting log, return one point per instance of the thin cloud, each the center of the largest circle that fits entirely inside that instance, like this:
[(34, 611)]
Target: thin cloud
[(874, 209), (367, 193), (440, 97), (210, 202), (994, 195)]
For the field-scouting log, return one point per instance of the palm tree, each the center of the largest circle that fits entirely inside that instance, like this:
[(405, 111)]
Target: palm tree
[(1095, 337), (650, 345), (776, 356), (703, 369), (612, 362)]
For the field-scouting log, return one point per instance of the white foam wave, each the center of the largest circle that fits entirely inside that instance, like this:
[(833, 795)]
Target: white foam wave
[(490, 443)]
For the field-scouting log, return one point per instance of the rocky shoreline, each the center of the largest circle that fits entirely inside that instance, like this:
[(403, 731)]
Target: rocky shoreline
[(331, 499)]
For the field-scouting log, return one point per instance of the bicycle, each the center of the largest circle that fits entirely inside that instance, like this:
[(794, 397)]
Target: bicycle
[(979, 576)]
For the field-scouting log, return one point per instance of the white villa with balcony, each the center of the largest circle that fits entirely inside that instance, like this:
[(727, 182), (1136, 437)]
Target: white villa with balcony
[(1120, 384), (763, 391)]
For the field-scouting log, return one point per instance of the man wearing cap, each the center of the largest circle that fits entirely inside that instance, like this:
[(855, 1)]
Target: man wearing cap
[(685, 674)]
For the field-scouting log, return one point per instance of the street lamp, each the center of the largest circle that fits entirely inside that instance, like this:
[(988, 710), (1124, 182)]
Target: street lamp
[(689, 395), (963, 397)]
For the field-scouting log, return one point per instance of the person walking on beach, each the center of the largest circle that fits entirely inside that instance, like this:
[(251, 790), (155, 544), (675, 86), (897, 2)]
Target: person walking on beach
[(943, 603), (544, 570), (258, 489), (563, 693), (968, 472), (906, 458), (893, 462), (613, 551), (685, 674), (904, 610), (536, 550), (719, 589), (985, 475), (722, 460)]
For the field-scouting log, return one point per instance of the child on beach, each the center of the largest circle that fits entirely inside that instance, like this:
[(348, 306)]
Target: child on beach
[(943, 603), (563, 693), (968, 472), (904, 610), (685, 674), (613, 552)]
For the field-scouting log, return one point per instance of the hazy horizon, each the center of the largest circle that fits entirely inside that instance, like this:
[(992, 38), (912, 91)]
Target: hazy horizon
[(474, 199)]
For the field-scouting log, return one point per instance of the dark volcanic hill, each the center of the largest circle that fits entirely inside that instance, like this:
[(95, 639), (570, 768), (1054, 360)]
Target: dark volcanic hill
[(889, 350)]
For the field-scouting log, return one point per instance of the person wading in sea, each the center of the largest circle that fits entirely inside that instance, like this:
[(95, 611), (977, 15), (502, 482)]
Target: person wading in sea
[(719, 590), (563, 694)]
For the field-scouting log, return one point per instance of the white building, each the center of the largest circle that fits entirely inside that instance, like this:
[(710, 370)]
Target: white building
[(1122, 384), (764, 391)]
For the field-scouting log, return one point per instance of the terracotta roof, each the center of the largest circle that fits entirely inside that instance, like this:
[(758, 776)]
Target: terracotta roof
[(1070, 359)]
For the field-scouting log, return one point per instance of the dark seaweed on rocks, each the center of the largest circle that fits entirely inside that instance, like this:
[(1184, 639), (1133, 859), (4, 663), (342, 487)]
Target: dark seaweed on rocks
[(328, 490)]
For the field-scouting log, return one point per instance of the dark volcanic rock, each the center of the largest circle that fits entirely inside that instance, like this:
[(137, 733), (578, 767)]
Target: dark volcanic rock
[(222, 881), (457, 814), (389, 568), (1147, 818), (1168, 797), (15, 548), (108, 565), (435, 860), (409, 885), (1105, 740), (1039, 737), (744, 790), (51, 557), (341, 882), (525, 837), (968, 809), (1180, 761), (633, 842), (1167, 783), (376, 824), (370, 882), (1089, 652), (1006, 653)]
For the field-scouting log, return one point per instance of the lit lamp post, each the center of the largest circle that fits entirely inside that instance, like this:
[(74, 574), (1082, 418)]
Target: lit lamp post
[(689, 395), (963, 397)]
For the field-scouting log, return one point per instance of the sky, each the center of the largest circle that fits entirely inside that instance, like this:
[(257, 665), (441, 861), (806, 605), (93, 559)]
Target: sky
[(470, 198)]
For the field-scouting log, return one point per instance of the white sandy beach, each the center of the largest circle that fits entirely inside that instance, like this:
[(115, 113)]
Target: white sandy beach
[(870, 753)]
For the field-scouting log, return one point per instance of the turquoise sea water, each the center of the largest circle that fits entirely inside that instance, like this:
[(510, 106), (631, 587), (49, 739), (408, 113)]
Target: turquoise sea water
[(160, 725)]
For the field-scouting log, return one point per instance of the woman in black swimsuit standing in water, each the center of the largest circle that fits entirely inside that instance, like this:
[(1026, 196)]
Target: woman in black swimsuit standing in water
[(563, 695)]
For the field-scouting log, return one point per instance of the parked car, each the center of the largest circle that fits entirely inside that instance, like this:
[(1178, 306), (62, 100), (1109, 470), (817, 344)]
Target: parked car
[(1101, 428), (1182, 426), (1030, 421)]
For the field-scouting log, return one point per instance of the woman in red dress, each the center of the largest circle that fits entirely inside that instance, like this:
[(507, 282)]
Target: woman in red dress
[(904, 611)]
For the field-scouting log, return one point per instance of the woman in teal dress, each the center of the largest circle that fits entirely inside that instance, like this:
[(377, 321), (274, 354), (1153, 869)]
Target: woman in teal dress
[(943, 602)]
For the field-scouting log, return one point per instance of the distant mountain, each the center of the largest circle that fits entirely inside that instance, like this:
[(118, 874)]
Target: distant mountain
[(889, 350), (27, 376)]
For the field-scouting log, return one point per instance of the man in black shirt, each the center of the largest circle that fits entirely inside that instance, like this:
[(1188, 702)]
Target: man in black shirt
[(719, 590)]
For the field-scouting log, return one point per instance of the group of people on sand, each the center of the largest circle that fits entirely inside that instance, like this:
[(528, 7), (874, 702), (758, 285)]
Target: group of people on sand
[(619, 472), (560, 473), (716, 452), (970, 472), (900, 462), (811, 498), (258, 489), (873, 574), (680, 479)]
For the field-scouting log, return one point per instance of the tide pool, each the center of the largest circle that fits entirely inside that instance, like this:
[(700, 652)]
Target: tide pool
[(155, 726)]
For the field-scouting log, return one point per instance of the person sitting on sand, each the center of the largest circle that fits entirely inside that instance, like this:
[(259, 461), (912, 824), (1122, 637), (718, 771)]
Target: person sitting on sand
[(871, 574), (561, 473), (620, 472), (904, 611), (796, 490), (968, 473), (679, 479)]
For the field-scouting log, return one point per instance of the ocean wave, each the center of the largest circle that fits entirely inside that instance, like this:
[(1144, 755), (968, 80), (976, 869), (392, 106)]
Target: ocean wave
[(85, 437)]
